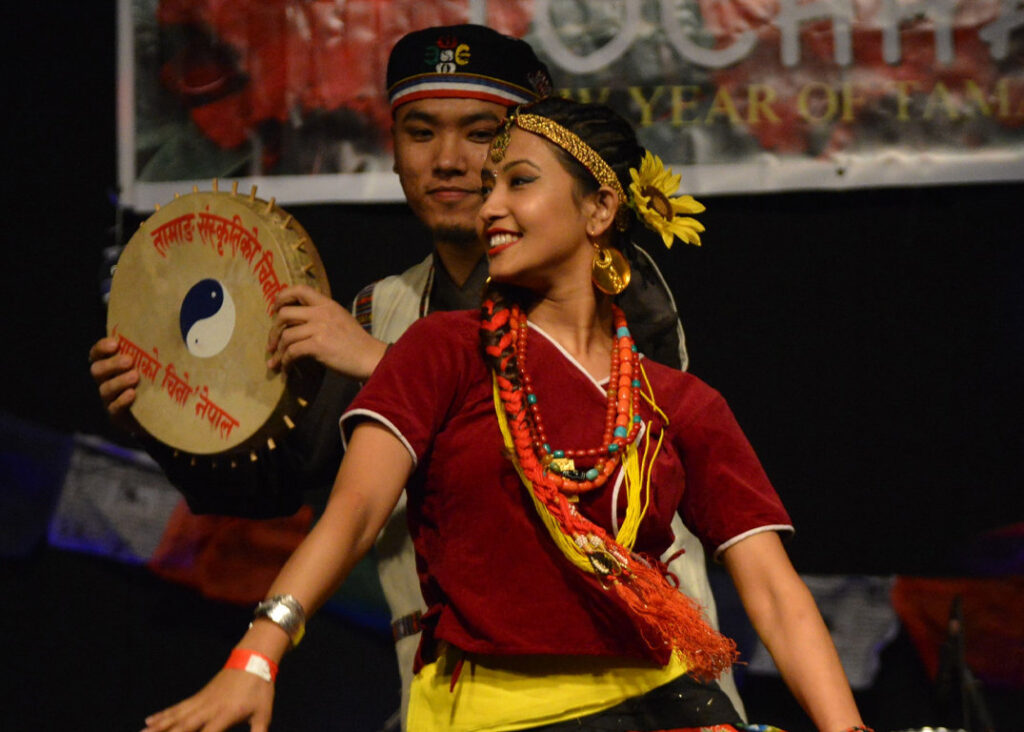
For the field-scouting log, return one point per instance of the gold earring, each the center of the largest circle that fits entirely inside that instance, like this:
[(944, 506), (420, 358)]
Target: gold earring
[(610, 270)]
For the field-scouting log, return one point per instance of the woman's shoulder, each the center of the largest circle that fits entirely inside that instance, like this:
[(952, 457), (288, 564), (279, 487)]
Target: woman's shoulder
[(438, 348), (680, 389), (450, 324), (452, 330), (659, 372)]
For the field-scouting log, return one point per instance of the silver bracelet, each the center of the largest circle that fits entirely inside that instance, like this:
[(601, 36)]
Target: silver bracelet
[(286, 612)]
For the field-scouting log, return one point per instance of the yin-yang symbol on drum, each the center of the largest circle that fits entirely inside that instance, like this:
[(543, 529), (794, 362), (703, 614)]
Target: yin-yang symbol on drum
[(207, 318)]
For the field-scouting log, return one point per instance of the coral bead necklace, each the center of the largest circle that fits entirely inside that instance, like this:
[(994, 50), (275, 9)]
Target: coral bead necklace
[(622, 418)]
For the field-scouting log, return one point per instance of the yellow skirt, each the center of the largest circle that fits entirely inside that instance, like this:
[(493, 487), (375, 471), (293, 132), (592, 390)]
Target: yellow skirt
[(494, 693)]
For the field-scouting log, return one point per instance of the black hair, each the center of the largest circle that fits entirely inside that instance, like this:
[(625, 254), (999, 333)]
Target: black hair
[(611, 137)]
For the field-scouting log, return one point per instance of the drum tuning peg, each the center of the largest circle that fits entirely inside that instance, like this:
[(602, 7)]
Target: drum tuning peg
[(192, 462), (252, 194), (215, 185), (177, 196), (253, 457), (288, 422), (308, 270), (195, 188), (271, 444), (287, 220), (234, 464), (302, 402), (156, 207), (300, 245), (270, 205), (234, 188)]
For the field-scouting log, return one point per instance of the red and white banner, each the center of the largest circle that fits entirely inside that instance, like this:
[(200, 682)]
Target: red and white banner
[(738, 95)]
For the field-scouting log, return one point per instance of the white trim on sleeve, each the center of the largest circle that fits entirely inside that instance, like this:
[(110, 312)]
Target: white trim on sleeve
[(377, 417), (788, 528)]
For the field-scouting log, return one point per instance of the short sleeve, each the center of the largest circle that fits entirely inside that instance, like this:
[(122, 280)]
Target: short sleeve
[(728, 496), (414, 387)]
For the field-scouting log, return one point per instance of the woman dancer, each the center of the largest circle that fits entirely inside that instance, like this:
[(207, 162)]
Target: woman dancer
[(544, 459)]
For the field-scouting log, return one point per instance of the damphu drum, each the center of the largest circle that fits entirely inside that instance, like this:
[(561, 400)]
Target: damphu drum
[(191, 302)]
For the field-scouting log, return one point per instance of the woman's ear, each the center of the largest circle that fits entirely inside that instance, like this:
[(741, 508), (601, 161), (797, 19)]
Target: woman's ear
[(603, 205)]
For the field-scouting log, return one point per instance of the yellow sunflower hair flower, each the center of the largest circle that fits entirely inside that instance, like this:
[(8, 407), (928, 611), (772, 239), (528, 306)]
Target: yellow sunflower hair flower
[(653, 191)]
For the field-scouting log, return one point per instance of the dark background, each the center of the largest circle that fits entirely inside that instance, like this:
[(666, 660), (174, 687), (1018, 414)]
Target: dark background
[(869, 341)]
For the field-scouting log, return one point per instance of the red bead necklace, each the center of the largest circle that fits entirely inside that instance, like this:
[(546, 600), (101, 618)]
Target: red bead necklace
[(622, 418)]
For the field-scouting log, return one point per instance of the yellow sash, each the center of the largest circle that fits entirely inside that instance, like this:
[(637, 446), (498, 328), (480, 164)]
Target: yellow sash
[(518, 692)]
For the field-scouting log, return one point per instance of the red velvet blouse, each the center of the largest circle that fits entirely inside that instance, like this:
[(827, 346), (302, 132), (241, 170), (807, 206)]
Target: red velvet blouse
[(493, 580)]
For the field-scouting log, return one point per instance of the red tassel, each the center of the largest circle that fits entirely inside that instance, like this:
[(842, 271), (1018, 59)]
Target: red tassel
[(456, 673), (675, 621)]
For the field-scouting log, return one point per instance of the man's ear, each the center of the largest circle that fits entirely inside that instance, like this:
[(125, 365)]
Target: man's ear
[(602, 206), (394, 165)]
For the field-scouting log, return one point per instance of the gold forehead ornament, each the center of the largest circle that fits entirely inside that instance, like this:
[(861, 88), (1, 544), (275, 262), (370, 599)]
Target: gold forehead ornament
[(565, 139)]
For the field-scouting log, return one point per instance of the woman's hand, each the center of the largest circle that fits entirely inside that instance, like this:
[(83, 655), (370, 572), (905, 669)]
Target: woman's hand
[(231, 697), (310, 324), (370, 480)]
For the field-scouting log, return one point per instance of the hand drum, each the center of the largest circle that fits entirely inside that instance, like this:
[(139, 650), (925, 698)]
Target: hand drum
[(191, 302)]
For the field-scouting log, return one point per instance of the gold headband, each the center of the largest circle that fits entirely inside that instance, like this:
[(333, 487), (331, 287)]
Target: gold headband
[(565, 139), (654, 189)]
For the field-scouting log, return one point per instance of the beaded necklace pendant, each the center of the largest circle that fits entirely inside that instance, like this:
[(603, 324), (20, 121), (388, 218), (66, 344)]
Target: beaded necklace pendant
[(578, 470)]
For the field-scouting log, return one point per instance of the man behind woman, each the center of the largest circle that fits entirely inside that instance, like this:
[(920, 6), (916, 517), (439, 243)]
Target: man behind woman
[(542, 479)]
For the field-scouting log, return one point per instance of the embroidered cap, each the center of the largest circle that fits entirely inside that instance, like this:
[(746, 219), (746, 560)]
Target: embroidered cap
[(465, 62)]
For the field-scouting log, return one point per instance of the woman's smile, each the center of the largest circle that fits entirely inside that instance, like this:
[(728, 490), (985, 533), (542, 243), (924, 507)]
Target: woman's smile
[(498, 240)]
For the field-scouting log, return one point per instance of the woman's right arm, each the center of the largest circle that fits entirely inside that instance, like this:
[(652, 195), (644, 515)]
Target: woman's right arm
[(787, 621), (369, 482)]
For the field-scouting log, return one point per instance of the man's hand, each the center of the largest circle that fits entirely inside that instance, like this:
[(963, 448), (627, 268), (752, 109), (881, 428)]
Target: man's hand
[(229, 698), (307, 323), (116, 378)]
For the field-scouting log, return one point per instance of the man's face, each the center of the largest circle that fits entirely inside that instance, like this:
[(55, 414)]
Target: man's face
[(440, 147)]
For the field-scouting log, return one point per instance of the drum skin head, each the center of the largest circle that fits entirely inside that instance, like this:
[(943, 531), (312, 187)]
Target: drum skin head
[(191, 302)]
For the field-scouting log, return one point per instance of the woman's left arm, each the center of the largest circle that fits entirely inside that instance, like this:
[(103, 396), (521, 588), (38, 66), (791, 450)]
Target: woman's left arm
[(787, 620)]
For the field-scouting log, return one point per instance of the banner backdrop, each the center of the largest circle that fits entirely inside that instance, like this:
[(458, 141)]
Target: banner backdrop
[(738, 95)]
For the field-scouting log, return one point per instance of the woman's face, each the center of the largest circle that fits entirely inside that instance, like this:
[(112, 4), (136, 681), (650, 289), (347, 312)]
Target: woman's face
[(532, 221)]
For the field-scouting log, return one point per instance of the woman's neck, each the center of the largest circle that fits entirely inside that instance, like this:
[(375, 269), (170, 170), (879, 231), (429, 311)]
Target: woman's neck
[(582, 324)]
